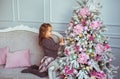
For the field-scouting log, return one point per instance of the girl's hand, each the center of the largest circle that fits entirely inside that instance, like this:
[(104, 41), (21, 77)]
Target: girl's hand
[(61, 41)]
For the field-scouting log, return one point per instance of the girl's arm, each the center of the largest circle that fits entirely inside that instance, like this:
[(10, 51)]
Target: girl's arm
[(51, 45)]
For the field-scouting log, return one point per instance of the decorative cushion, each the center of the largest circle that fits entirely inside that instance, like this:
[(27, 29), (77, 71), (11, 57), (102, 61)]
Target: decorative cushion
[(18, 59), (3, 52)]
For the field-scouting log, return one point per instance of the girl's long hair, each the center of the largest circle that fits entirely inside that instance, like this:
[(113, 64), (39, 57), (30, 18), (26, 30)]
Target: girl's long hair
[(42, 31)]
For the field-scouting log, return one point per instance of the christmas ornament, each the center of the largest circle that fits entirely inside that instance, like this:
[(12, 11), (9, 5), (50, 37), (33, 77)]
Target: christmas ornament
[(75, 71), (86, 28), (95, 25), (70, 24), (80, 35), (92, 77), (87, 68), (83, 21), (60, 61), (91, 38), (90, 50), (92, 55), (99, 36), (76, 22), (82, 58), (106, 46), (99, 75), (65, 77), (68, 70), (99, 49), (74, 56), (84, 12), (98, 57), (98, 18), (78, 29)]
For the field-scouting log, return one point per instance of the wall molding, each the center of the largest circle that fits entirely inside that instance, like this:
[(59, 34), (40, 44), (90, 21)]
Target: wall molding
[(51, 21), (13, 1), (50, 7), (44, 11), (22, 20), (13, 14), (116, 36), (111, 25)]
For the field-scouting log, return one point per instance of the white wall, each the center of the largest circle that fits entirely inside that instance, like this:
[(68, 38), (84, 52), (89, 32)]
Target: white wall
[(58, 13)]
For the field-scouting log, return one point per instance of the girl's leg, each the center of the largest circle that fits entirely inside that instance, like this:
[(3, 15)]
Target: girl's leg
[(35, 72), (26, 70), (39, 74), (44, 64), (29, 69), (34, 67)]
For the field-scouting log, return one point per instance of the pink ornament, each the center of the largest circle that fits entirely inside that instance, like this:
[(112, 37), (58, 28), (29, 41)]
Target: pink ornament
[(95, 25), (76, 48), (106, 46), (70, 24), (82, 58), (66, 51), (81, 49), (99, 75), (99, 49), (84, 12), (86, 28), (89, 63), (91, 38), (61, 76), (83, 22), (71, 34), (78, 28), (77, 11), (68, 70), (98, 58), (75, 71), (110, 60)]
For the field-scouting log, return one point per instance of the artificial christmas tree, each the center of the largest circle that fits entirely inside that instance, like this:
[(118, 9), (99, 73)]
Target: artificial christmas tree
[(87, 53)]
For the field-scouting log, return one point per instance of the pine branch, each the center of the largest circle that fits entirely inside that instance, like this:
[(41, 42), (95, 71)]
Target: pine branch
[(79, 3)]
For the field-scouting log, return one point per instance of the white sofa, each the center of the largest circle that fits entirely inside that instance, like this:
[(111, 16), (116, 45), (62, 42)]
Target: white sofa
[(19, 38)]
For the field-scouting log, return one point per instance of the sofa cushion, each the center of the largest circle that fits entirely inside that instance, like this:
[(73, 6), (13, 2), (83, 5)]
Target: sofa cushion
[(3, 52), (19, 58)]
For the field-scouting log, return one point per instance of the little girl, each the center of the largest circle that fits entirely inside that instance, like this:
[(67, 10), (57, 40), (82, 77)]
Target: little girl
[(50, 50)]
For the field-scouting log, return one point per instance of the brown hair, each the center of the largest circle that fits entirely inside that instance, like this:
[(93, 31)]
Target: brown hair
[(42, 31)]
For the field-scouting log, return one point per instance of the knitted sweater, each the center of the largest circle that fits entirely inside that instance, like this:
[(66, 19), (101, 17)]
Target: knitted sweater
[(50, 47)]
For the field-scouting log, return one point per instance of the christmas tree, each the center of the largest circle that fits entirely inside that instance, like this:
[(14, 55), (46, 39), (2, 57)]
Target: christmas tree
[(87, 52)]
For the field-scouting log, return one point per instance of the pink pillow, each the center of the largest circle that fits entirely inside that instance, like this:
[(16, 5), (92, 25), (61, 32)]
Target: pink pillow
[(3, 52), (18, 59)]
